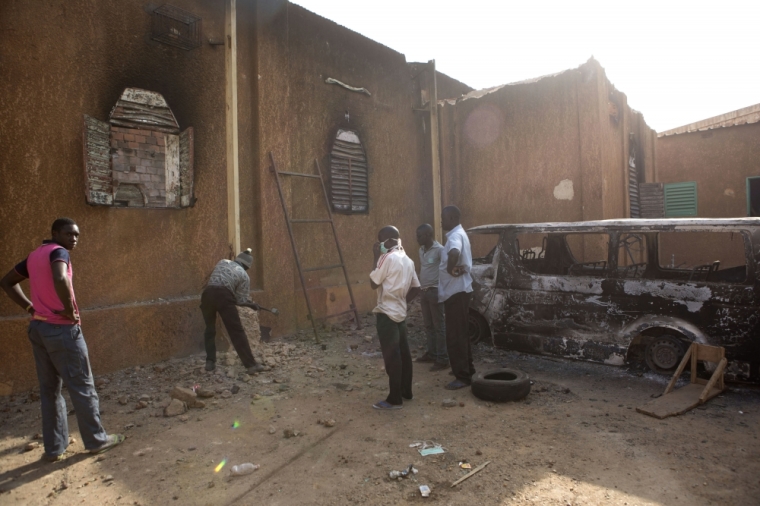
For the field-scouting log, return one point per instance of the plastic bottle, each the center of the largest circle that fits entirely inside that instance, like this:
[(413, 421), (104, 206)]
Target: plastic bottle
[(243, 469)]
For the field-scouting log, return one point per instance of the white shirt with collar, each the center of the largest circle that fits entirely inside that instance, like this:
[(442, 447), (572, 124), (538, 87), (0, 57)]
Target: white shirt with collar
[(449, 285), (394, 276)]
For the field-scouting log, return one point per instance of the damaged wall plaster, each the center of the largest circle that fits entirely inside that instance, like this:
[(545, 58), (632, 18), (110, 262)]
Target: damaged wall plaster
[(564, 190)]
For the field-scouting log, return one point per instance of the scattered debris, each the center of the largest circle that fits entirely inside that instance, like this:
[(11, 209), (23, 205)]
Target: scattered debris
[(187, 396), (428, 448), (176, 407), (449, 403), (424, 491), (243, 469), (31, 446), (327, 422), (471, 473), (403, 474), (289, 433)]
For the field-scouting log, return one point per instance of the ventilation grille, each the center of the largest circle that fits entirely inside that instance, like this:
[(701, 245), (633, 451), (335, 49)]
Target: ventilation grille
[(680, 199), (348, 174), (176, 27)]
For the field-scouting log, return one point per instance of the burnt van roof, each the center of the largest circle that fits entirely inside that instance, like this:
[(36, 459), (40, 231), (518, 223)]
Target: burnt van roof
[(641, 225)]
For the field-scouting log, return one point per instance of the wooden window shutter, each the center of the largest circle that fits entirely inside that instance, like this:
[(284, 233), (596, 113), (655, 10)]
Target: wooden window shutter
[(97, 162), (652, 200), (349, 176), (680, 199)]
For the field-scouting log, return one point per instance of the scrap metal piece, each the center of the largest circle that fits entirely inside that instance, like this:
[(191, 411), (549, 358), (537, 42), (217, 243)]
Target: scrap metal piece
[(330, 80)]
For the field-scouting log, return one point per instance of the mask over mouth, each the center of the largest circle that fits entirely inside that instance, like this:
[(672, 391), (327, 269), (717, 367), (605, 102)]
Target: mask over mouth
[(385, 250)]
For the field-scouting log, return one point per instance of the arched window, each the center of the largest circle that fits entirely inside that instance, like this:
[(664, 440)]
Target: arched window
[(349, 176)]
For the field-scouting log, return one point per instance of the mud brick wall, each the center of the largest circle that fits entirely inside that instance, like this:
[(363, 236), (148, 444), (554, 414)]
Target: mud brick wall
[(139, 158)]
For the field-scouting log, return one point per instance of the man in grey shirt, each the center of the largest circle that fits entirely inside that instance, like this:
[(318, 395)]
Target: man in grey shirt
[(432, 310), (227, 287)]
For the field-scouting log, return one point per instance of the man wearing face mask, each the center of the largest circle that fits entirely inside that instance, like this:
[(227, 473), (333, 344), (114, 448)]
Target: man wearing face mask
[(396, 283)]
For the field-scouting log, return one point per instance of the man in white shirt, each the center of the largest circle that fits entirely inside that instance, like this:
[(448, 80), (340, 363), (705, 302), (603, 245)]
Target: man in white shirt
[(396, 283), (455, 291)]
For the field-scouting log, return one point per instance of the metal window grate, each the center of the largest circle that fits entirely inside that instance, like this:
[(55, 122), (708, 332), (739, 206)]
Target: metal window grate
[(680, 199), (176, 27), (349, 174)]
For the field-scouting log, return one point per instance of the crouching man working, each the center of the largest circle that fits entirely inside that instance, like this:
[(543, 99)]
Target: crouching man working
[(60, 352), (229, 286), (396, 284)]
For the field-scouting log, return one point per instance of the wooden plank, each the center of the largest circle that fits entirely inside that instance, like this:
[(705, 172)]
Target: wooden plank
[(466, 476), (435, 153), (233, 167), (679, 371), (710, 353), (709, 387), (676, 403)]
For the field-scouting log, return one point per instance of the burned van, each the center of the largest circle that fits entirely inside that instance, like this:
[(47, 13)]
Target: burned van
[(621, 290)]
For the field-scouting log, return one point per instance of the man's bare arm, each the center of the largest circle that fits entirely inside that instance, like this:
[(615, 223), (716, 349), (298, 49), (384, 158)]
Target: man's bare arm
[(63, 289), (10, 283), (451, 263), (412, 293)]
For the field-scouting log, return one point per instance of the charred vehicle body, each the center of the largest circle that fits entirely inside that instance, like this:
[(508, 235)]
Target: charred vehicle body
[(619, 291)]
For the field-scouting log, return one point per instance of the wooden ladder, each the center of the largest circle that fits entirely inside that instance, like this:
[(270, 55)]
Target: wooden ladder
[(290, 221)]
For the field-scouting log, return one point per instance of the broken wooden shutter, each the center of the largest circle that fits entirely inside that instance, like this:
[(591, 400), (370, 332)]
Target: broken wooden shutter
[(97, 162), (633, 180), (652, 199), (186, 163), (349, 175), (680, 199)]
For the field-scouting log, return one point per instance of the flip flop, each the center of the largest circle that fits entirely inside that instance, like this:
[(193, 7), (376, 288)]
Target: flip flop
[(113, 440)]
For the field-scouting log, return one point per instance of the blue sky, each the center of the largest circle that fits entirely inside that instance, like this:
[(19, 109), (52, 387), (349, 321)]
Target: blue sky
[(677, 61)]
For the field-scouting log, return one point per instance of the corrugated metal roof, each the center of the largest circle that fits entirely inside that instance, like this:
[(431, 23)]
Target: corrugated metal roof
[(745, 116), (653, 224), (486, 91)]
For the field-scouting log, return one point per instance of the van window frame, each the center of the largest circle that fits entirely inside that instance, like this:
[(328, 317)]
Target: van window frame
[(749, 260), (513, 249)]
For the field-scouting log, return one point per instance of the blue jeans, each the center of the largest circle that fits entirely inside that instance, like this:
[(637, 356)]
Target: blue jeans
[(432, 315), (60, 354)]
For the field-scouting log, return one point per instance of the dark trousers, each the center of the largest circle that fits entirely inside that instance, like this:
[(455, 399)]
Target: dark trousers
[(397, 357), (60, 355), (458, 342), (218, 299), (432, 315)]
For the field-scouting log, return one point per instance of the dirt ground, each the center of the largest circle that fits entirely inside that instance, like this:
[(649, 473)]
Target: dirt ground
[(575, 440)]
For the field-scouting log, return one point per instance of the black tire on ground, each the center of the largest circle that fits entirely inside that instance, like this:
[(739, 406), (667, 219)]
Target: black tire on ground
[(501, 385)]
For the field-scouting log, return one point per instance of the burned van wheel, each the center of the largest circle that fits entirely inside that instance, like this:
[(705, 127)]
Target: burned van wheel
[(501, 385), (477, 328), (664, 353)]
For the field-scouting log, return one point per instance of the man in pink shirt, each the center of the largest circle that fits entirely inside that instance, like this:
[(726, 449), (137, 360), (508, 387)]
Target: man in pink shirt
[(60, 352)]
